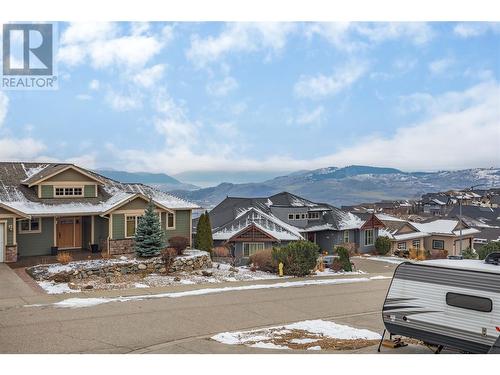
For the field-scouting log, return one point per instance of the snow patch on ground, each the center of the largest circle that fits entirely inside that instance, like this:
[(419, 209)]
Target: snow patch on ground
[(52, 287), (329, 272), (277, 337), (86, 302)]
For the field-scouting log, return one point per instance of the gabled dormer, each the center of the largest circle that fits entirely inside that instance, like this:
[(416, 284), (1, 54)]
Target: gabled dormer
[(63, 181)]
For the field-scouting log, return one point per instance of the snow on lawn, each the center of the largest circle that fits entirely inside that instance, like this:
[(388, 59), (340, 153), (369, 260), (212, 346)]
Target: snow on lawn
[(85, 302), (52, 287), (329, 272), (309, 335)]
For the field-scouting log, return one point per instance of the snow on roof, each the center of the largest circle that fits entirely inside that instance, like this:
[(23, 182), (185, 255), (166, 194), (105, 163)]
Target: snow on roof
[(384, 232), (265, 222), (386, 217), (437, 226), (33, 171), (470, 264), (350, 221), (409, 236), (466, 231)]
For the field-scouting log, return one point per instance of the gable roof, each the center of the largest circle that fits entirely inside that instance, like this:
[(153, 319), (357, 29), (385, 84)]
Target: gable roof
[(45, 171), (15, 193)]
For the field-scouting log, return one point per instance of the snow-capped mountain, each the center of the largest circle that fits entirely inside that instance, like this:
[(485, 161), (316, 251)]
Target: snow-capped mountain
[(351, 185)]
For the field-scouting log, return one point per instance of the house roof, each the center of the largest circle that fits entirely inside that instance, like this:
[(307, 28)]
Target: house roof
[(14, 192), (443, 227), (479, 216)]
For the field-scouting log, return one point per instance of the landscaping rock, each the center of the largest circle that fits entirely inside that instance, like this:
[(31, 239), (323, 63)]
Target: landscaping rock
[(88, 286), (142, 266), (232, 269), (177, 278), (207, 273)]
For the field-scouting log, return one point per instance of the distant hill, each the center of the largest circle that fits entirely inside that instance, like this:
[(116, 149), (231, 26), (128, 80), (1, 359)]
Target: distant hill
[(350, 185), (159, 180)]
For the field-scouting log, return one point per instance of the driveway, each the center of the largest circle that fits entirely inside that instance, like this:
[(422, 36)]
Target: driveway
[(13, 289)]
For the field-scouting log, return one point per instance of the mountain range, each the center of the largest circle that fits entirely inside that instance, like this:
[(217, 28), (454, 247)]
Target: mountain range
[(338, 186)]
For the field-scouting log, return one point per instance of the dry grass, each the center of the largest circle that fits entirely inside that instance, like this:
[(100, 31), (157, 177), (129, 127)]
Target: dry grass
[(285, 338), (64, 257)]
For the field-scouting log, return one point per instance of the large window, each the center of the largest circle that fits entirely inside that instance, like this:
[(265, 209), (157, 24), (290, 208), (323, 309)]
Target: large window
[(416, 244), (368, 237), (170, 220), (346, 236), (131, 225), (68, 191), (250, 248), (438, 244), (465, 301), (32, 225)]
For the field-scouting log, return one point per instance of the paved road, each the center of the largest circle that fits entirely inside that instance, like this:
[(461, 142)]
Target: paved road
[(183, 325)]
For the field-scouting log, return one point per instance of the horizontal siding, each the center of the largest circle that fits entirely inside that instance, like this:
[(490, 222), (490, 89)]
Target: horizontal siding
[(118, 226), (47, 191), (37, 243), (89, 191), (182, 225)]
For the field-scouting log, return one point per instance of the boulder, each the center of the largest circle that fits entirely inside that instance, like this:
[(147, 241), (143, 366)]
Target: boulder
[(207, 273), (142, 266)]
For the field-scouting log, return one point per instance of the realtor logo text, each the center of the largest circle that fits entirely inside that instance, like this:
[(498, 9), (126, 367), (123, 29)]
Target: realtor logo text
[(28, 57)]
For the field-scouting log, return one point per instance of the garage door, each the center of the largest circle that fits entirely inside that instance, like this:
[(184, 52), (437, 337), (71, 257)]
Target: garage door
[(2, 242)]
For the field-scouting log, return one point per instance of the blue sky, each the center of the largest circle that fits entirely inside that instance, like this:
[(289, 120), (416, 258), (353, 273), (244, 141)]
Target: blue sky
[(215, 97)]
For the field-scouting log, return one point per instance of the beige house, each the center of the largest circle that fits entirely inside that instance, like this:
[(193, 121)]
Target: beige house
[(434, 236)]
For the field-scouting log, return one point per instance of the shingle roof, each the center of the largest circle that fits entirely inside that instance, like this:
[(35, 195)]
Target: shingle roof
[(14, 192)]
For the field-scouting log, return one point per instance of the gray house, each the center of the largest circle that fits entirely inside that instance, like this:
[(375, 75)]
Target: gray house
[(46, 207), (247, 225)]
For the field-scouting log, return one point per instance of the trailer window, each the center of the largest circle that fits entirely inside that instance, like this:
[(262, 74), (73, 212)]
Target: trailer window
[(465, 301)]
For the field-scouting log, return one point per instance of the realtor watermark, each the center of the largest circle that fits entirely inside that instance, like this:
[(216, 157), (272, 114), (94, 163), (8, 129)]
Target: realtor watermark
[(28, 51)]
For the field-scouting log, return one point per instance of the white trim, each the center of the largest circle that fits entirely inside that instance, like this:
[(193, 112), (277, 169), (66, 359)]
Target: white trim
[(372, 230), (3, 249), (79, 170), (92, 234), (346, 231), (54, 187), (175, 221), (190, 228), (29, 220), (136, 223)]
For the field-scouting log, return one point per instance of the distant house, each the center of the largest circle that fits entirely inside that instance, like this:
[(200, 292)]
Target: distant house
[(44, 206), (434, 236), (248, 225)]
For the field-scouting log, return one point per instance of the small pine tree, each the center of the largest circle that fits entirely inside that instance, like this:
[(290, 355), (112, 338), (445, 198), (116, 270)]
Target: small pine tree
[(344, 258), (204, 240), (469, 254), (149, 237), (383, 245)]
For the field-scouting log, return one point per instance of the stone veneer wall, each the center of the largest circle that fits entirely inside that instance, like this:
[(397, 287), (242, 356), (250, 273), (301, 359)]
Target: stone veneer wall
[(192, 260), (10, 253), (125, 246)]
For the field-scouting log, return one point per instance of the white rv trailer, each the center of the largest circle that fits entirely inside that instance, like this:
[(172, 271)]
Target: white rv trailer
[(446, 303)]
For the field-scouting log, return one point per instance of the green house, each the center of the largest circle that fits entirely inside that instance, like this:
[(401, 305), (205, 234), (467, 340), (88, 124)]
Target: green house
[(44, 206)]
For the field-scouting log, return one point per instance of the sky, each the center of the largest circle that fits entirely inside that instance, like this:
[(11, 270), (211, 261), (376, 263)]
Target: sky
[(263, 98)]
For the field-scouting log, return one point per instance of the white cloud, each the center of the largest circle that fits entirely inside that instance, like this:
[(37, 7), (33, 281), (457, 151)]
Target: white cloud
[(311, 117), (441, 66), (20, 148), (460, 130), (350, 37), (120, 102), (474, 29), (4, 105), (104, 45), (239, 37), (94, 85), (150, 76), (321, 86), (222, 88)]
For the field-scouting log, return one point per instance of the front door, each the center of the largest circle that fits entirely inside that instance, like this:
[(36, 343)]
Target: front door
[(69, 232)]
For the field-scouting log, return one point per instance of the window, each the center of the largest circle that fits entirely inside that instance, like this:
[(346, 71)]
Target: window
[(250, 248), (32, 225), (303, 216), (170, 220), (68, 191), (416, 244), (401, 245), (297, 216), (368, 237), (290, 216), (313, 215), (468, 302), (346, 236), (438, 244), (131, 225)]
